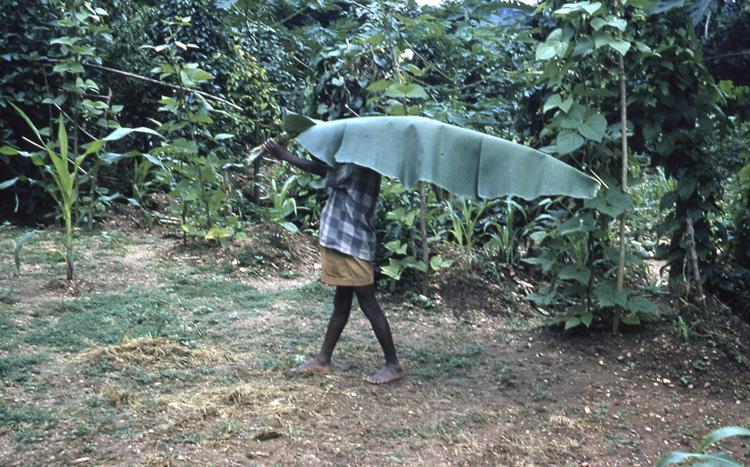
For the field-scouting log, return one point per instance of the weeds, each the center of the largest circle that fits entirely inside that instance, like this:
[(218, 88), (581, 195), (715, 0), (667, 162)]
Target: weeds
[(13, 415), (505, 376), (6, 296), (16, 368), (433, 363)]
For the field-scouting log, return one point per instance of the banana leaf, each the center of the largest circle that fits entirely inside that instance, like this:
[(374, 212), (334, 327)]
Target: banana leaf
[(465, 162)]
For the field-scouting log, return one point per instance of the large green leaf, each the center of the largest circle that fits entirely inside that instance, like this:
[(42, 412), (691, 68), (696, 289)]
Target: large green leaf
[(722, 433), (556, 44), (406, 90), (578, 7), (598, 23), (620, 46), (594, 127), (613, 202), (465, 162), (568, 141), (713, 460), (607, 295), (581, 274)]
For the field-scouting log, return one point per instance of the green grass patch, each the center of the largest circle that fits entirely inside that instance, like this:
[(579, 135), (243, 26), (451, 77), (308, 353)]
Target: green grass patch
[(8, 329), (216, 286), (313, 292), (190, 286), (108, 319), (12, 415), (7, 296), (16, 368)]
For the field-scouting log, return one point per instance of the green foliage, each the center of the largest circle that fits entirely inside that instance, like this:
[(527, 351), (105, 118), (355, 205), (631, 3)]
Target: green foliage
[(673, 119), (544, 81), (742, 219), (400, 247), (83, 36), (583, 101), (64, 169), (464, 221), (508, 227), (282, 205), (27, 29), (189, 157), (581, 268), (700, 454)]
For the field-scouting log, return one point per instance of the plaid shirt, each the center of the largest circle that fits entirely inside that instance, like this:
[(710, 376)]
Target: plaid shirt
[(346, 220)]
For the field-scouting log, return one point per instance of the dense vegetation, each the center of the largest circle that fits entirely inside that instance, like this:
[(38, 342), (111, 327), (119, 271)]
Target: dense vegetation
[(125, 101)]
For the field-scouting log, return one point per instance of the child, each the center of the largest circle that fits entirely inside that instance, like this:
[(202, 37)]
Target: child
[(347, 239)]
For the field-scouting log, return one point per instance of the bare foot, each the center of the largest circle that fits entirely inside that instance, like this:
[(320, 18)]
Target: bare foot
[(387, 374), (313, 366)]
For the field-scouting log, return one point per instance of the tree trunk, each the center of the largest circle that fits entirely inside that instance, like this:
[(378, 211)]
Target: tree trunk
[(624, 140), (423, 234)]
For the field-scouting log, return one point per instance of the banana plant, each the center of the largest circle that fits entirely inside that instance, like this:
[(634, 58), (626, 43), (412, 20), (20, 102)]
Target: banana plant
[(64, 167)]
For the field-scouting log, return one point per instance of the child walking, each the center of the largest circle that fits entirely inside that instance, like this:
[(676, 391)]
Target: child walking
[(347, 239)]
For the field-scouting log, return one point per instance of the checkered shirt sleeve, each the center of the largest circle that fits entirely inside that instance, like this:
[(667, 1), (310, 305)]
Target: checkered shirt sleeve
[(346, 220)]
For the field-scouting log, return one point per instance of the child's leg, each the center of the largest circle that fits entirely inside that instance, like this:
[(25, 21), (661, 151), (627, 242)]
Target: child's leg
[(342, 305), (392, 370)]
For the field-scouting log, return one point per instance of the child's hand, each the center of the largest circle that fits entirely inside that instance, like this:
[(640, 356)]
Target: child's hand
[(275, 149)]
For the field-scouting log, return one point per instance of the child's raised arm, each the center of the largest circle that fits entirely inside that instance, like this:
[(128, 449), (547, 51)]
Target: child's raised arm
[(279, 152)]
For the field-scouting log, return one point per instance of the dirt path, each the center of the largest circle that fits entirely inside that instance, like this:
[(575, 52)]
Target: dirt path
[(175, 356)]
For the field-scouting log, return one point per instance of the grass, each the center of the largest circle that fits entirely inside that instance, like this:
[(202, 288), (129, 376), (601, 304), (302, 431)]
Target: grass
[(313, 292), (181, 311), (14, 415), (108, 319), (188, 285), (433, 362), (16, 368), (8, 328), (7, 296)]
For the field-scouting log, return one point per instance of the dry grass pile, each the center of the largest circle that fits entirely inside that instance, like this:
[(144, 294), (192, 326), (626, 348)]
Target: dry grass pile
[(264, 399), (155, 354)]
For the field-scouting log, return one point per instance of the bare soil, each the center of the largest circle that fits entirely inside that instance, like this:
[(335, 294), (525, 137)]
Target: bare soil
[(488, 382)]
